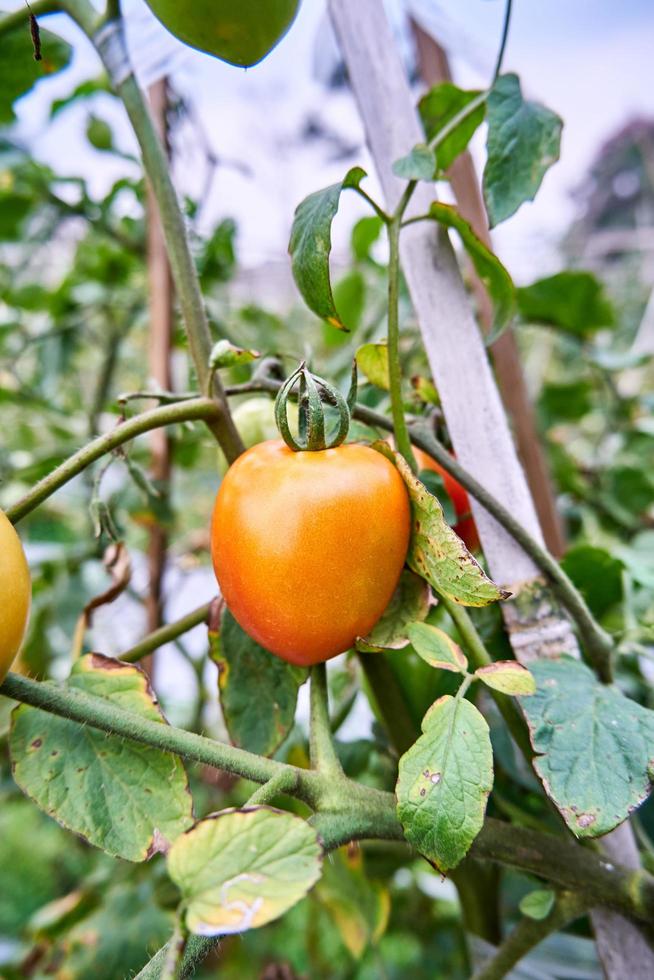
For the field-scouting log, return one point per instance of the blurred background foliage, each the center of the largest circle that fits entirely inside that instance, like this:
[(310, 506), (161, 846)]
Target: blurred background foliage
[(73, 328)]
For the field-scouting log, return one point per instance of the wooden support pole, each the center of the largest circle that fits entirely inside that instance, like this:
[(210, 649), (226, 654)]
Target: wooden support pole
[(435, 68), (471, 404), (160, 286)]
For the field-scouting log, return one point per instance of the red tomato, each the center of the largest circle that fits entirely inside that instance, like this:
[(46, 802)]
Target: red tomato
[(308, 547), (465, 527)]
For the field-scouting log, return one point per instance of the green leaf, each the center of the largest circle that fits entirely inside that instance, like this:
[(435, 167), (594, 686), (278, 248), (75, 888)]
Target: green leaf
[(99, 134), (258, 691), (116, 939), (490, 270), (372, 360), (593, 746), (350, 301), (425, 390), (597, 574), (19, 72), (565, 402), (538, 904), (85, 90), (131, 800), (311, 244), (523, 141), (436, 648), (508, 677), (572, 300), (438, 554), (410, 602), (419, 164), (240, 869), (365, 233), (444, 782), (225, 354), (359, 907), (437, 108)]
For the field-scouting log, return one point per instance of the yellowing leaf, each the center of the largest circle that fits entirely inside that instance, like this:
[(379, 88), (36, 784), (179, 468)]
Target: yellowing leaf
[(436, 648), (508, 677), (240, 869), (436, 552)]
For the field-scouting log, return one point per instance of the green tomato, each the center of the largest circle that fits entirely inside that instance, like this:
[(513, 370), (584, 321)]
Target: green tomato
[(255, 421), (241, 32)]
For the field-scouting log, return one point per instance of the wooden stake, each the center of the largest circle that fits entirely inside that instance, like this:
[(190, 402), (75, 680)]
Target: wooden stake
[(160, 287), (435, 68)]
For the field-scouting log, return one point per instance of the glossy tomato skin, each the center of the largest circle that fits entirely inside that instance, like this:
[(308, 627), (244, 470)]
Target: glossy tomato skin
[(465, 527), (15, 594), (308, 547)]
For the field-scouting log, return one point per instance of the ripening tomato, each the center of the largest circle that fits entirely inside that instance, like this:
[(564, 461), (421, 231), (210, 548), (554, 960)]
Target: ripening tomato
[(465, 527), (308, 546), (15, 594)]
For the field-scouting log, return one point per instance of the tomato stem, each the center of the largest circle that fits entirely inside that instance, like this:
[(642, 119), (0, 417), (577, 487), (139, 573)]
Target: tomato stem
[(323, 753)]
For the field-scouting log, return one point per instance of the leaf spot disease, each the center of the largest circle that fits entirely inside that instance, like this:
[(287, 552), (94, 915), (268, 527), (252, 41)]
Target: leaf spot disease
[(37, 743), (586, 819)]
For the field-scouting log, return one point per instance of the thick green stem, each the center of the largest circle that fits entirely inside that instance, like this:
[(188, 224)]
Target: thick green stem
[(400, 430), (364, 813), (192, 410), (165, 634), (78, 706), (156, 167), (197, 949), (175, 948), (480, 657), (284, 783), (402, 729), (528, 934), (323, 753)]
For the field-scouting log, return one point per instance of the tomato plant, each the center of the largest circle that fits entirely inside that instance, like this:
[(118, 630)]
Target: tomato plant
[(164, 782)]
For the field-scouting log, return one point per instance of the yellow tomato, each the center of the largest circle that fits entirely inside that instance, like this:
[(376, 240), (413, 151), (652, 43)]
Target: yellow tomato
[(15, 594)]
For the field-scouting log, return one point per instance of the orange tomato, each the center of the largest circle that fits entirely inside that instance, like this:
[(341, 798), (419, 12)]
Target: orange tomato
[(15, 594), (308, 547), (465, 527)]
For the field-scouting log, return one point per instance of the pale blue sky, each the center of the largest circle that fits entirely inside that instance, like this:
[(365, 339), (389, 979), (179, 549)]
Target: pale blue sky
[(590, 60)]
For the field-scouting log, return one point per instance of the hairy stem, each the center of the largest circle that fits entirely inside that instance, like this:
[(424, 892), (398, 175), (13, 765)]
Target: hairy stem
[(175, 948), (284, 783), (395, 713), (197, 948), (528, 934), (323, 753), (165, 634), (187, 411), (363, 812)]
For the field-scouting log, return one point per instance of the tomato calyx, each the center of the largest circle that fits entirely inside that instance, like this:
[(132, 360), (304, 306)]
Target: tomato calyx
[(314, 395)]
